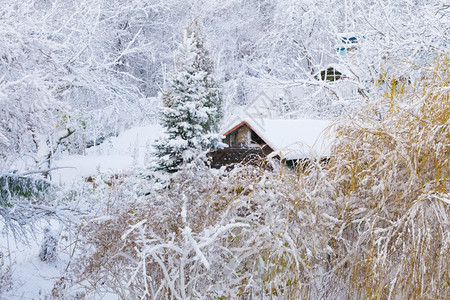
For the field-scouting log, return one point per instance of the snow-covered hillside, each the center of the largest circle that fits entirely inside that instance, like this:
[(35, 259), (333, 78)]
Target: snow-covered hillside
[(118, 154)]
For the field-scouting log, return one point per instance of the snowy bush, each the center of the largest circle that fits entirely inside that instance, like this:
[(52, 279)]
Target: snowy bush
[(20, 186), (391, 184), (23, 201), (5, 276), (243, 234), (49, 247)]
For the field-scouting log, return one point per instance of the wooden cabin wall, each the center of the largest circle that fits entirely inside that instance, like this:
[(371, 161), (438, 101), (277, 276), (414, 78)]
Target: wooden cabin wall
[(243, 136)]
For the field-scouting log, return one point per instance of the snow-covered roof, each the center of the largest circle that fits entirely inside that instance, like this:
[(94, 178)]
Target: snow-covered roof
[(290, 139)]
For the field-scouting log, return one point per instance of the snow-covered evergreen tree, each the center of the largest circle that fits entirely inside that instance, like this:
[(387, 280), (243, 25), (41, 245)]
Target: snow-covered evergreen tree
[(192, 107)]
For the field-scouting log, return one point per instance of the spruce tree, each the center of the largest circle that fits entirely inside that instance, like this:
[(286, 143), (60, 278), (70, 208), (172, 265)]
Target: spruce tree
[(192, 108)]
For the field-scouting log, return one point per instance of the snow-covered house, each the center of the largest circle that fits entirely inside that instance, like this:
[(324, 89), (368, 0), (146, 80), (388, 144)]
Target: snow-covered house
[(288, 140)]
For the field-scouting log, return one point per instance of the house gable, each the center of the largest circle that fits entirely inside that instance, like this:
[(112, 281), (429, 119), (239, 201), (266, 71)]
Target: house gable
[(244, 136)]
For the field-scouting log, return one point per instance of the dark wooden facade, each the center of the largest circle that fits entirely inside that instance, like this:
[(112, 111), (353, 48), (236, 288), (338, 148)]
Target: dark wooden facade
[(230, 156)]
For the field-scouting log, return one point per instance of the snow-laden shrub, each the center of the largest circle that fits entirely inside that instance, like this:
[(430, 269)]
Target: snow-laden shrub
[(25, 200), (245, 234), (390, 175), (21, 186), (49, 247), (5, 276)]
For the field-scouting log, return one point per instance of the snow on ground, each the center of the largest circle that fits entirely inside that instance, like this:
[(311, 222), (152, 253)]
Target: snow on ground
[(34, 279), (123, 152), (31, 277)]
